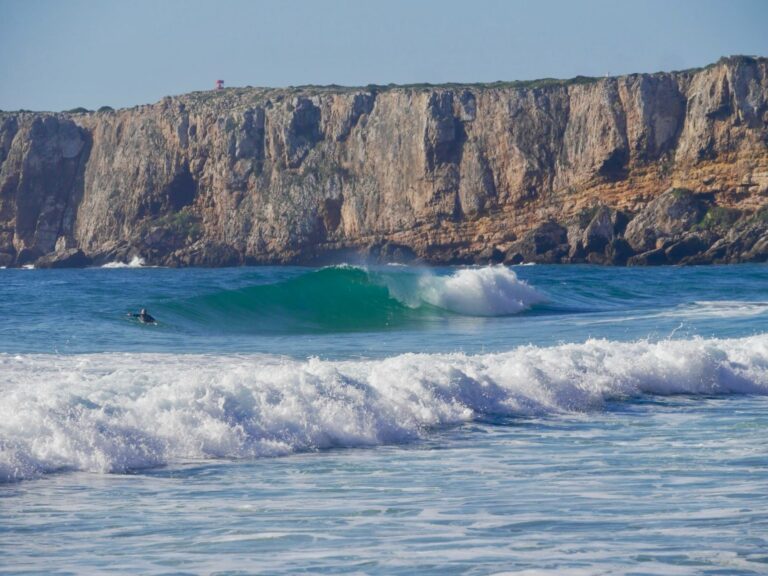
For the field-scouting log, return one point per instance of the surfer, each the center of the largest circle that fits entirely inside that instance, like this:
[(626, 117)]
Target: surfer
[(143, 316)]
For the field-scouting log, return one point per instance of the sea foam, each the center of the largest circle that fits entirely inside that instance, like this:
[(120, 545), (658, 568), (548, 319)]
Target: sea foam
[(136, 262), (121, 412), (490, 291), (718, 309)]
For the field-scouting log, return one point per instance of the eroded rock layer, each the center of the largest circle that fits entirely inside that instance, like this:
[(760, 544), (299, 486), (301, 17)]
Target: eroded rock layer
[(639, 169)]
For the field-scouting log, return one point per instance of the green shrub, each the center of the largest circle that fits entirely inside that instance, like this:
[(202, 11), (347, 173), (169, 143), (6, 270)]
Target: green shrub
[(522, 84), (185, 224), (718, 218), (78, 110), (182, 225)]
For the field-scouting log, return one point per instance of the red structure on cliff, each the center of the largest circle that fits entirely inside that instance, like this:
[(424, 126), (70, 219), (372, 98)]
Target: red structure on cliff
[(219, 84)]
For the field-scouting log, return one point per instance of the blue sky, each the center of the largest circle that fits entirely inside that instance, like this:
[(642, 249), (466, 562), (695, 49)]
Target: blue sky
[(57, 54)]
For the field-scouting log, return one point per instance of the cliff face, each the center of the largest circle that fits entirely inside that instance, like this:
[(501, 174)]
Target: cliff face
[(554, 171)]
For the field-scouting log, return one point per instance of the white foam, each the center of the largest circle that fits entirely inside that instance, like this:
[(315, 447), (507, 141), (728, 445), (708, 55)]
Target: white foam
[(489, 291), (118, 412), (136, 262), (718, 309), (701, 310)]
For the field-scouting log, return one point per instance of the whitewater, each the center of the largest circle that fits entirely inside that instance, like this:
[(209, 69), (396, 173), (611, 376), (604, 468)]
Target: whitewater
[(364, 419)]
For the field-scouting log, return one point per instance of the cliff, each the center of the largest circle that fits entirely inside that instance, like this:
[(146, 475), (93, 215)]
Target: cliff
[(644, 169)]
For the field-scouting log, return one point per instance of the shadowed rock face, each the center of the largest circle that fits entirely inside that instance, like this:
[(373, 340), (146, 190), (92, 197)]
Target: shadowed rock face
[(446, 174), (41, 183)]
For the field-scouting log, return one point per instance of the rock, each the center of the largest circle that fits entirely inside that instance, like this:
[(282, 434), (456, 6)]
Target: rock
[(72, 258), (6, 259), (669, 215), (468, 106), (655, 257), (490, 255), (546, 244), (687, 248), (512, 258), (618, 252), (747, 242), (300, 131), (349, 114), (603, 228), (548, 237), (759, 250), (597, 258), (206, 255), (28, 256), (575, 232), (591, 232), (41, 181), (576, 252), (715, 254), (600, 231), (389, 253)]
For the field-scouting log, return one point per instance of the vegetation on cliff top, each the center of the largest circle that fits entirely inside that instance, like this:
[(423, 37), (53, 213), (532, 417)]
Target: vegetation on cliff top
[(225, 94), (209, 95)]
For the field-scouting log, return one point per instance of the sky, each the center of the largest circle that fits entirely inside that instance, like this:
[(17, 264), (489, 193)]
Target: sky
[(63, 54)]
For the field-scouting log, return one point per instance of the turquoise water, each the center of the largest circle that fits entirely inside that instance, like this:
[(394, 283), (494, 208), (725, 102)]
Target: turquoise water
[(534, 419)]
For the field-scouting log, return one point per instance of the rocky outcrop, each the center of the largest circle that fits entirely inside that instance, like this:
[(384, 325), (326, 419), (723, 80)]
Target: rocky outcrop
[(640, 169), (42, 163), (71, 258), (667, 216), (594, 235), (547, 244)]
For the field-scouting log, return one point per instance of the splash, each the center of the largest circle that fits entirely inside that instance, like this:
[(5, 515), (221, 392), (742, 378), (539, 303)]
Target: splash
[(493, 291), (136, 262)]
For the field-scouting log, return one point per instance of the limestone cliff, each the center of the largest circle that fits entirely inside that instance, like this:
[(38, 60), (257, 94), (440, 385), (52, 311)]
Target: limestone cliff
[(560, 171)]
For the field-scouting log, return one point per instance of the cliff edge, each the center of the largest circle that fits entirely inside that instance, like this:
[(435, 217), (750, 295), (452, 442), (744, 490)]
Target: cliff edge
[(639, 169)]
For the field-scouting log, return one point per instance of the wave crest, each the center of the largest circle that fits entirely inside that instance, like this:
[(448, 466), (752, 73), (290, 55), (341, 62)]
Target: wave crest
[(117, 412), (493, 291), (343, 298)]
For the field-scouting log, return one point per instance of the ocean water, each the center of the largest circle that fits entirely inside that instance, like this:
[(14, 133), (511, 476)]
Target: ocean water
[(384, 420)]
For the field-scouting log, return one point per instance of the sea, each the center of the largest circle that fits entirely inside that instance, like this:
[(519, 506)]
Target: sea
[(382, 419)]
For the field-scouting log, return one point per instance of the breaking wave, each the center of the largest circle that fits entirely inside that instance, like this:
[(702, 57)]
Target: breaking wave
[(348, 298), (123, 412)]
